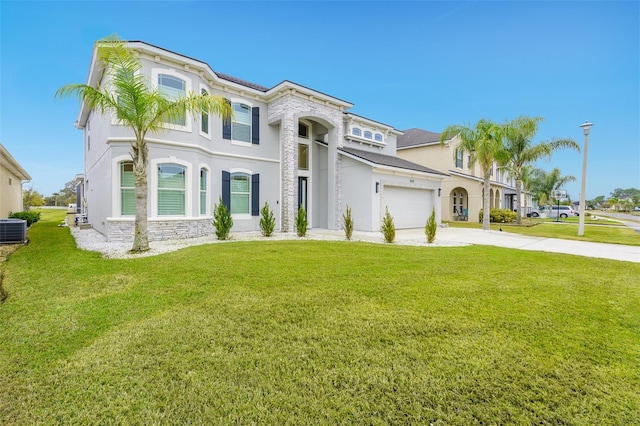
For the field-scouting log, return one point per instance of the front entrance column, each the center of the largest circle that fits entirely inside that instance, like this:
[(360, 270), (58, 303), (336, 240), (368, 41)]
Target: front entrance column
[(333, 180), (288, 133)]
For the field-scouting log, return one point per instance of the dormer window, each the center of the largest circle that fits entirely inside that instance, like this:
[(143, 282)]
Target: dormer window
[(368, 134), (356, 131), (377, 137)]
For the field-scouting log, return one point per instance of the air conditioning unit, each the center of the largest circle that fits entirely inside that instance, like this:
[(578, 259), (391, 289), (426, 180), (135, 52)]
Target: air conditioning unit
[(13, 231)]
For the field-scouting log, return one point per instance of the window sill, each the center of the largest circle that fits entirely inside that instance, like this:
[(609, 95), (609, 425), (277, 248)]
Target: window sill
[(241, 143)]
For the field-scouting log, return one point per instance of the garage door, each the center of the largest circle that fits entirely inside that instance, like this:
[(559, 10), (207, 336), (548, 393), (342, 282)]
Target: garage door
[(410, 207)]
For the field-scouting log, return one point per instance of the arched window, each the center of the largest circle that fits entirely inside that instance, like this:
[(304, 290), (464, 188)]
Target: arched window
[(241, 126), (127, 189), (203, 191), (172, 88), (368, 134), (377, 137), (356, 131), (204, 122), (240, 193), (171, 189)]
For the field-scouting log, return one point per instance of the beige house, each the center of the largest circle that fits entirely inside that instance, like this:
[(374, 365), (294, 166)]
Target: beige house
[(11, 177), (461, 192)]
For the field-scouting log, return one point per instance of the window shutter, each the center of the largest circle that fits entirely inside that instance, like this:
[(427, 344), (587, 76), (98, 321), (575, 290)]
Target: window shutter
[(255, 195), (226, 189), (255, 126), (226, 125)]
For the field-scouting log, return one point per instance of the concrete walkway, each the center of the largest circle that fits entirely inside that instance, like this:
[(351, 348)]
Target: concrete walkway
[(525, 242)]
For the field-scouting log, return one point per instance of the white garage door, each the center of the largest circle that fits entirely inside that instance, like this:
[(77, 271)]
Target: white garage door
[(409, 207)]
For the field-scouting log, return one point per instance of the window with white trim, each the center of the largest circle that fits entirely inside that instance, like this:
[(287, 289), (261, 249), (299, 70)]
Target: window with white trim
[(204, 119), (459, 155), (241, 125), (377, 137), (171, 189), (173, 88), (368, 134), (356, 131), (203, 191), (303, 131), (127, 189), (240, 193)]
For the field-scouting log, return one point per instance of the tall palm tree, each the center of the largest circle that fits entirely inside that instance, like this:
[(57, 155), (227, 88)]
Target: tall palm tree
[(519, 134), (484, 144), (131, 99)]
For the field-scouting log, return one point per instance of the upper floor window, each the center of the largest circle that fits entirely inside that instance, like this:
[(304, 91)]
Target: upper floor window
[(245, 126), (303, 130), (171, 189), (173, 88), (303, 156), (459, 155), (356, 131), (204, 122), (377, 137), (127, 189), (368, 134)]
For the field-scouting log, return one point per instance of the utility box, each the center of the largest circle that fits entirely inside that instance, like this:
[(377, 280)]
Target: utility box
[(13, 231)]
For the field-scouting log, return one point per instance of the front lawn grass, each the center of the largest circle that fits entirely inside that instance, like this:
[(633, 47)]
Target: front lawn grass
[(301, 332)]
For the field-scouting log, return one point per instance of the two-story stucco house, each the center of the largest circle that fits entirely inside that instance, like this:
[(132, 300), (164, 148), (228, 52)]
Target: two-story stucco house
[(11, 177), (287, 145), (462, 189)]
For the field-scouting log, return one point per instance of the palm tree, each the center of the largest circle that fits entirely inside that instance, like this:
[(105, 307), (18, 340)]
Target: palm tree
[(519, 134), (483, 143), (129, 96), (544, 183)]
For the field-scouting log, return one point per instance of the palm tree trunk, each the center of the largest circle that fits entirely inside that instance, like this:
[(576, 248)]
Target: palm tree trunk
[(486, 215), (141, 234), (519, 191)]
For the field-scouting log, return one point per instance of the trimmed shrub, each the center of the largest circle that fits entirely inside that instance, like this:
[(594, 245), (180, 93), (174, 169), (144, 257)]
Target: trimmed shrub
[(30, 217), (500, 216), (347, 224), (388, 229), (431, 227), (267, 221), (222, 220), (301, 222)]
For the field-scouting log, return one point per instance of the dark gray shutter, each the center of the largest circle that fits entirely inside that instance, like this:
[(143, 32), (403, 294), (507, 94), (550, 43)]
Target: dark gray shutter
[(255, 125), (226, 125), (226, 189), (255, 195)]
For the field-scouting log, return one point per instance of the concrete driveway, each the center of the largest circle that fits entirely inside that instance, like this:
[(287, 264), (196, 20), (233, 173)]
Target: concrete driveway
[(525, 242)]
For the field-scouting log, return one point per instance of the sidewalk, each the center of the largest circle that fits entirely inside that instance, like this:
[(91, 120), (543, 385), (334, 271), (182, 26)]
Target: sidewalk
[(525, 242)]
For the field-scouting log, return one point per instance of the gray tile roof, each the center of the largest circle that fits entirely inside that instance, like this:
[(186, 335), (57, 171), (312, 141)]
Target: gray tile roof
[(414, 137), (389, 160), (241, 82)]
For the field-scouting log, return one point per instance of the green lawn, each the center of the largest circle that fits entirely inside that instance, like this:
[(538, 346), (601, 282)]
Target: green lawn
[(301, 332)]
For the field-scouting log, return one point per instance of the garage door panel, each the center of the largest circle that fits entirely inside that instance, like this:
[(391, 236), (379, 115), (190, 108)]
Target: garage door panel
[(410, 207)]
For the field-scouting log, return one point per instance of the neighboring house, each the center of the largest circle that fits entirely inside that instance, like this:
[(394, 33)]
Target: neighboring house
[(11, 177), (288, 145), (462, 190)]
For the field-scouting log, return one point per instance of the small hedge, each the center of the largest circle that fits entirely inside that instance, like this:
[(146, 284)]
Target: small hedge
[(500, 216), (30, 217)]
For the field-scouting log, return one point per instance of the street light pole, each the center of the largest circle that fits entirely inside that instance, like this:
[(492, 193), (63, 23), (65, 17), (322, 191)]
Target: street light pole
[(586, 126)]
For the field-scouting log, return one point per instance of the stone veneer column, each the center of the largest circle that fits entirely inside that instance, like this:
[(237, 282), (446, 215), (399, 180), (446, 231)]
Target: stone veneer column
[(288, 132)]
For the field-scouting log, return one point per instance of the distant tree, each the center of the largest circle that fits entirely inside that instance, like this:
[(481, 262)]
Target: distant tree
[(484, 145), (132, 100), (519, 134), (31, 198), (544, 183)]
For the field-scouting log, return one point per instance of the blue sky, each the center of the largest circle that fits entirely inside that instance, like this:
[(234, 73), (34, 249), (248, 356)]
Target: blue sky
[(407, 64)]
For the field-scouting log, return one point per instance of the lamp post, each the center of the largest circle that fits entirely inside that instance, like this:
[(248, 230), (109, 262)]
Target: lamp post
[(586, 126)]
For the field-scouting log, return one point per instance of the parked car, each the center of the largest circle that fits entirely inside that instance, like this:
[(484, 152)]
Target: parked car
[(539, 211), (562, 211)]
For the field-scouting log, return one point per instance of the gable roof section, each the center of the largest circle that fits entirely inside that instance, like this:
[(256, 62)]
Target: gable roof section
[(417, 137), (389, 161)]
